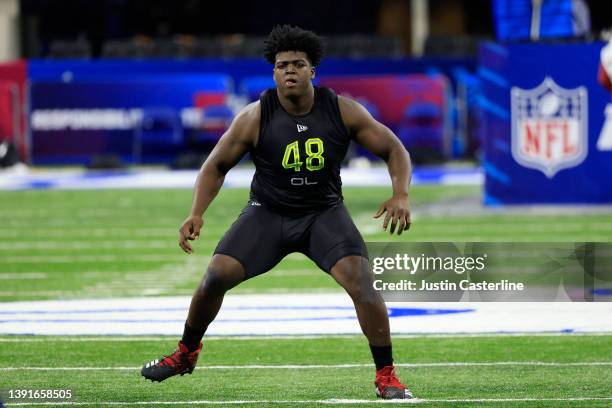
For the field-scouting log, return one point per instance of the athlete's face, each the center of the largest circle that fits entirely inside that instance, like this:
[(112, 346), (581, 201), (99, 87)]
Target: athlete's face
[(293, 73)]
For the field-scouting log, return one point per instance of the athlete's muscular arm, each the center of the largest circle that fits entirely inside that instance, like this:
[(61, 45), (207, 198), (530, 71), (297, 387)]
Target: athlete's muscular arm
[(234, 144), (381, 141)]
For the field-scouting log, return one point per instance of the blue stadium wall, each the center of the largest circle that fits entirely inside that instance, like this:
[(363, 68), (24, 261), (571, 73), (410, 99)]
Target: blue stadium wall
[(58, 88), (237, 69)]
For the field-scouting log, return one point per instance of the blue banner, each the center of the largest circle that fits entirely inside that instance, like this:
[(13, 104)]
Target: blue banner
[(80, 109), (73, 122), (544, 124)]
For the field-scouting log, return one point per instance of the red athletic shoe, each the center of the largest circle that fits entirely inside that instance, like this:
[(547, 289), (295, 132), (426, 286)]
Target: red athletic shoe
[(180, 362), (388, 386)]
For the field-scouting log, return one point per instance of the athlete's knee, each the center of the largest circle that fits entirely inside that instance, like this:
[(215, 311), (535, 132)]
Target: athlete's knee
[(214, 282), (221, 276), (354, 275)]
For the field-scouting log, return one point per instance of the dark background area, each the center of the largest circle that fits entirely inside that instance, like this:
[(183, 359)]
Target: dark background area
[(97, 21)]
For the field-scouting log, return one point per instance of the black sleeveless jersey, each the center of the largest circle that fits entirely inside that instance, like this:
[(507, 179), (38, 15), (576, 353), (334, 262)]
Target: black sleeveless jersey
[(297, 158)]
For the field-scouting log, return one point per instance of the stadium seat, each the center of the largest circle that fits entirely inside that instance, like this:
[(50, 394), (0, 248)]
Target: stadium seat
[(422, 132), (235, 46), (205, 47), (166, 48), (214, 91), (186, 45), (158, 134), (203, 99), (79, 48), (392, 93), (115, 49), (363, 46), (137, 47), (216, 120)]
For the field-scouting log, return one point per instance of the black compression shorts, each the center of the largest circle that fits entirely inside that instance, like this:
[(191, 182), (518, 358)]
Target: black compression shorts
[(260, 238)]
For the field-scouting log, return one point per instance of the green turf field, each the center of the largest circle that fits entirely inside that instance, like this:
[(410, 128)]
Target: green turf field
[(466, 371), (67, 244), (86, 244)]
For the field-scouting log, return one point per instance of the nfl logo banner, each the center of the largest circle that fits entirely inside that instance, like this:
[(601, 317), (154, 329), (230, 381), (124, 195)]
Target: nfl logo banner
[(549, 127), (545, 132)]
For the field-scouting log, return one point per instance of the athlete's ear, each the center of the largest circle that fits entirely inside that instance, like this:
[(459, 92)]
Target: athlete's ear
[(312, 73)]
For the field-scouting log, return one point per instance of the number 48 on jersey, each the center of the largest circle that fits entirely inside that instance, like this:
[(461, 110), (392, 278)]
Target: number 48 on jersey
[(314, 155)]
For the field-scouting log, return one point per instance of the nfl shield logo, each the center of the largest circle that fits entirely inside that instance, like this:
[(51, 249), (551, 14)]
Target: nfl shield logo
[(549, 127)]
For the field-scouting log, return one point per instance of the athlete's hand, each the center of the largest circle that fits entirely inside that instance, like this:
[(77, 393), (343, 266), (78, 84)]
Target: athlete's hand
[(398, 211), (189, 231)]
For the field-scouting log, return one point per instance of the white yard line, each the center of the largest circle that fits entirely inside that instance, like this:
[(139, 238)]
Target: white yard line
[(166, 338), (23, 275), (135, 257), (328, 366), (324, 402), (86, 273), (78, 222), (66, 245), (76, 231), (535, 227), (108, 290)]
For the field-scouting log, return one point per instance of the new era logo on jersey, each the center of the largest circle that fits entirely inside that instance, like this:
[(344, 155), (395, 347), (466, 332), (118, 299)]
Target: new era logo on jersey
[(302, 128)]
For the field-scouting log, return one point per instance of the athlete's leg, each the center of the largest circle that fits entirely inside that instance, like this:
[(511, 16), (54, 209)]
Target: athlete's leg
[(223, 273), (252, 246), (337, 247), (354, 274)]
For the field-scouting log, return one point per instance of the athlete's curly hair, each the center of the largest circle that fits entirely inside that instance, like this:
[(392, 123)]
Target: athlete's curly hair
[(291, 38)]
